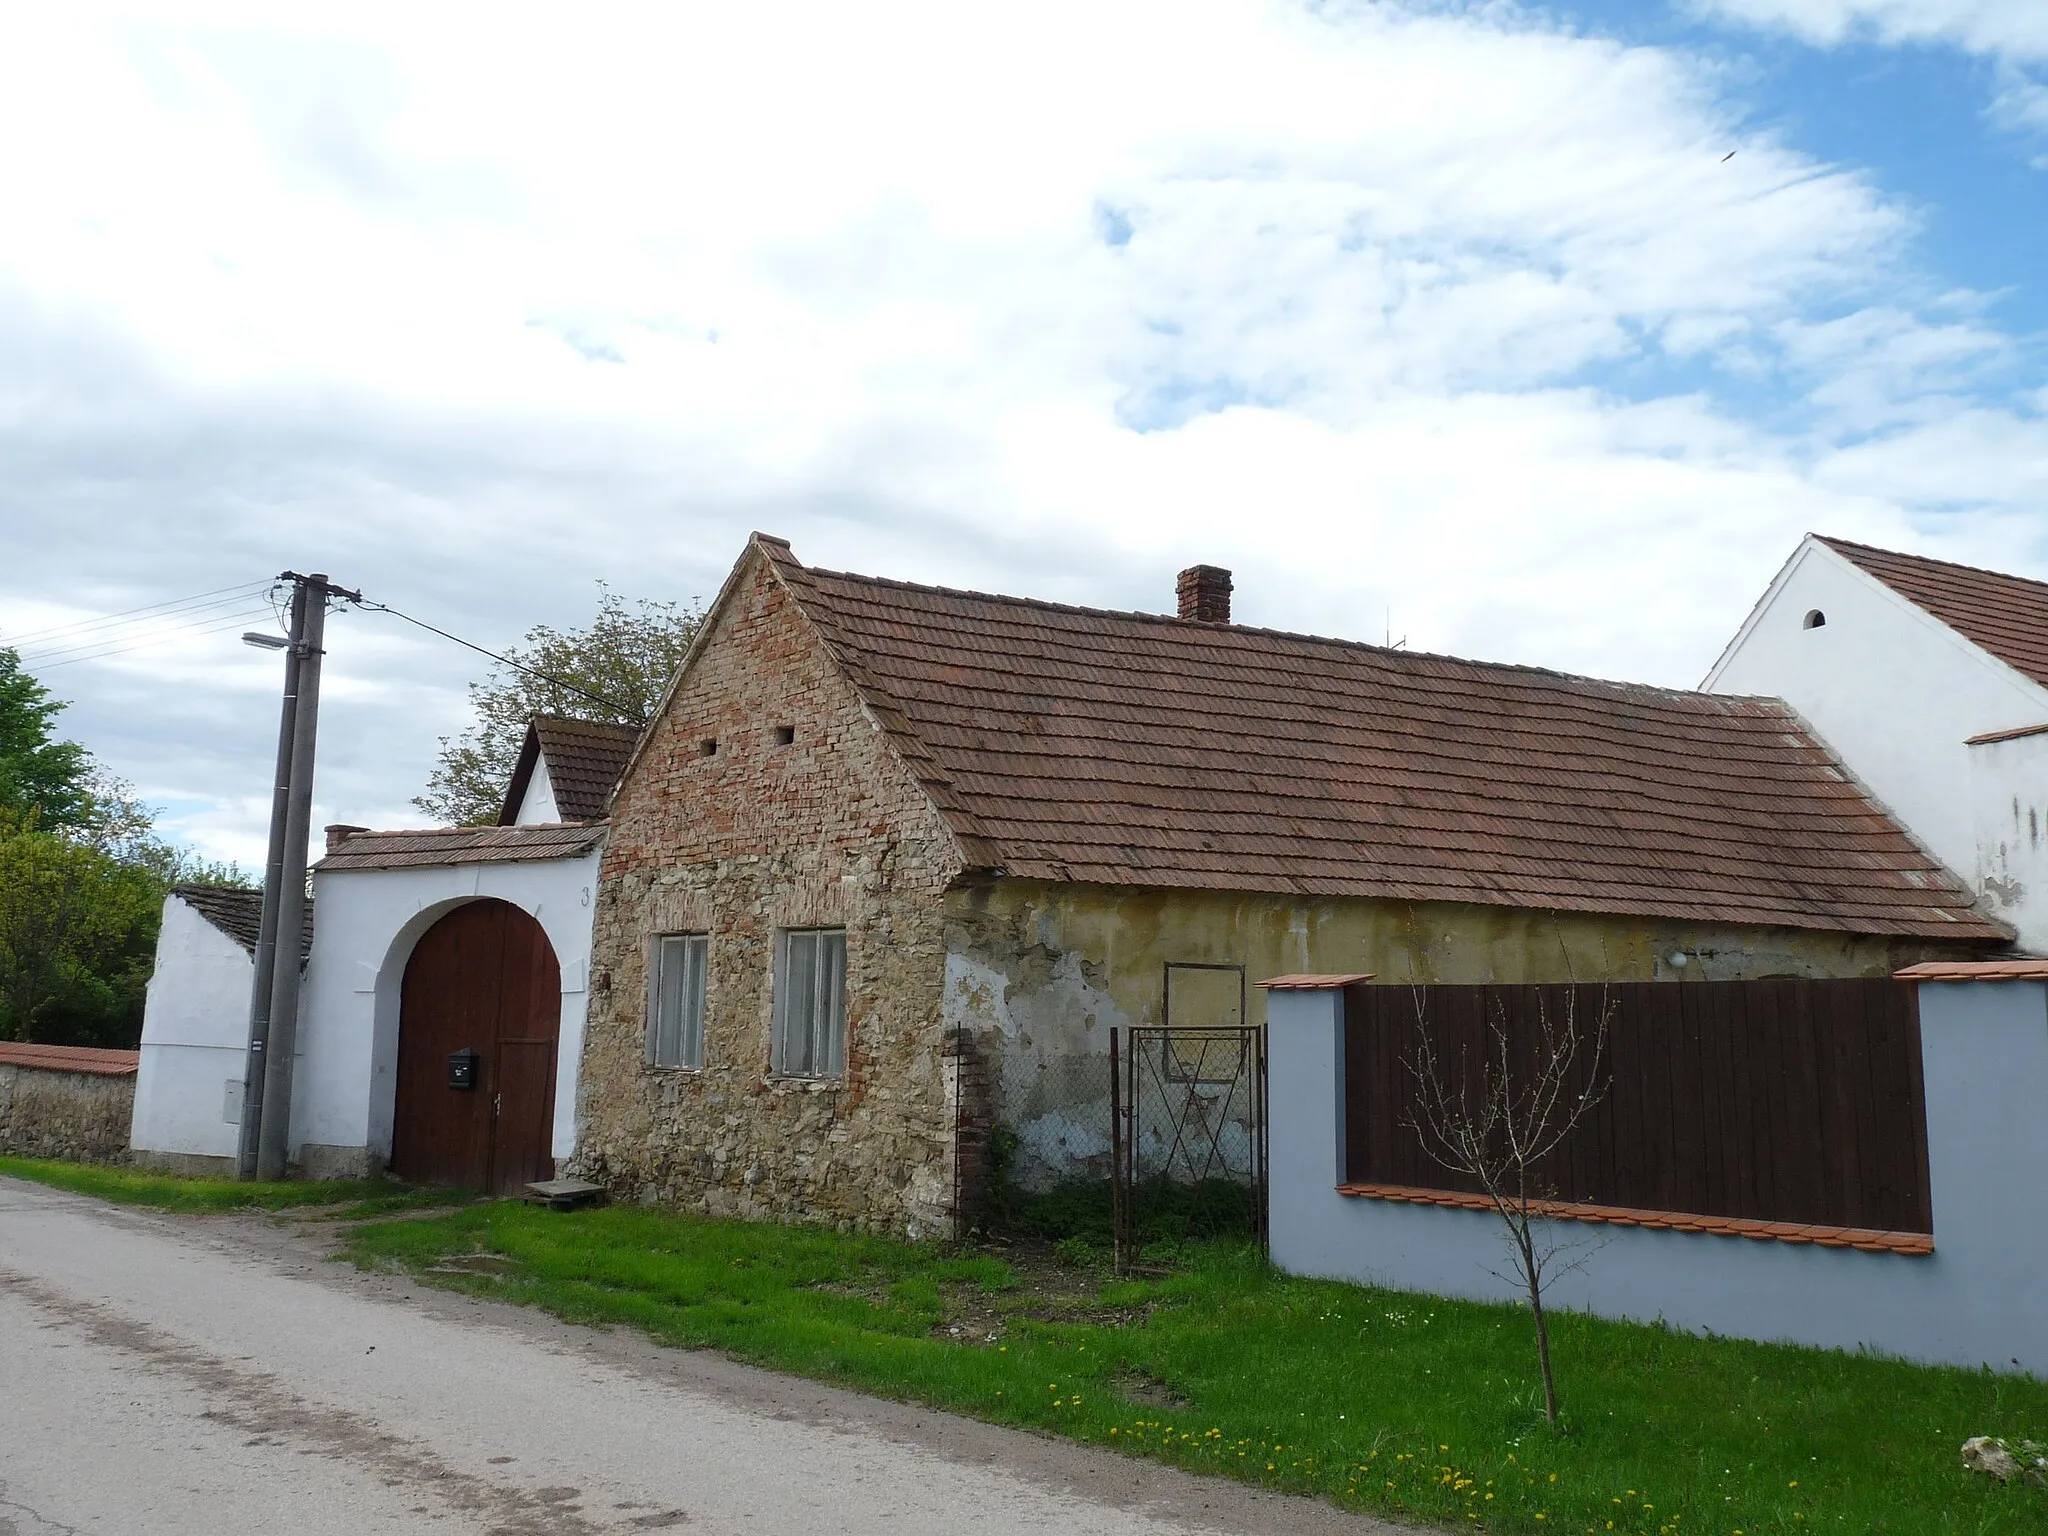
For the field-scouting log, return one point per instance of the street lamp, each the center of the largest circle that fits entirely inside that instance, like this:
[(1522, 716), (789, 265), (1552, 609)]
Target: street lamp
[(265, 642)]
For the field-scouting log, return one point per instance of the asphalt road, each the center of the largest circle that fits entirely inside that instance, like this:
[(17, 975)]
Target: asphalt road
[(162, 1375)]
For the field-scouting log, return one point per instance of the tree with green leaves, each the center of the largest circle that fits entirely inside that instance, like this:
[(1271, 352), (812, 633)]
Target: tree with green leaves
[(77, 937), (39, 775), (82, 881), (619, 667)]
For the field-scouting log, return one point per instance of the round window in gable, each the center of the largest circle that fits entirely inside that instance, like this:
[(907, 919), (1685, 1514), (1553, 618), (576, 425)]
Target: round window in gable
[(1814, 619)]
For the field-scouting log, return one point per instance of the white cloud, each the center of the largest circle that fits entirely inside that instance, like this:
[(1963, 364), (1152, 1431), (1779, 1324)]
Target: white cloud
[(1389, 309), (2014, 28)]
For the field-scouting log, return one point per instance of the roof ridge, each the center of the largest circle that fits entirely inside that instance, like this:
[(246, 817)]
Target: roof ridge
[(1173, 621)]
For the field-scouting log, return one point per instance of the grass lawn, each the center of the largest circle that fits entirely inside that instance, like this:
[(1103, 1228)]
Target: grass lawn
[(354, 1199), (1375, 1399)]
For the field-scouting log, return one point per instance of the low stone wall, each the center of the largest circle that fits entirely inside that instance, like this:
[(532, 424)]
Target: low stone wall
[(61, 1102)]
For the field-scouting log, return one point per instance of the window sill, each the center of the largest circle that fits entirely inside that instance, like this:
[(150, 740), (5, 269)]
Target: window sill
[(777, 1081), (669, 1069), (1866, 1239)]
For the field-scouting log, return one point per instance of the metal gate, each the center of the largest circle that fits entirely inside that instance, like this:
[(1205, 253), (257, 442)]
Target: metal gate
[(1188, 1131)]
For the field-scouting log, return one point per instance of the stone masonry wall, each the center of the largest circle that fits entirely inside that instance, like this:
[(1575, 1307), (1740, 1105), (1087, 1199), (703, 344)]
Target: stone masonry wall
[(78, 1115), (739, 842)]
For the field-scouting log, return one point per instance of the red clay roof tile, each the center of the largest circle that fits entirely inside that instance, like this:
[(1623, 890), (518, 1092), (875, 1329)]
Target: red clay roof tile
[(70, 1058), (462, 845), (1075, 744), (2005, 615)]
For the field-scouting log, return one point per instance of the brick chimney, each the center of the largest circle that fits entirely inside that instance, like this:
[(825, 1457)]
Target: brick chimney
[(339, 833), (1205, 594)]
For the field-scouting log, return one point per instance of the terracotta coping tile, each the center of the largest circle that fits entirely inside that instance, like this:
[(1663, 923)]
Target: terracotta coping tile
[(1863, 1239), (1976, 970), (1307, 981)]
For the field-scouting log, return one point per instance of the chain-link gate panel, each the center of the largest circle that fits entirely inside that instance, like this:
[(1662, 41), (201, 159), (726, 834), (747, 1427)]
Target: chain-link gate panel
[(1188, 1118)]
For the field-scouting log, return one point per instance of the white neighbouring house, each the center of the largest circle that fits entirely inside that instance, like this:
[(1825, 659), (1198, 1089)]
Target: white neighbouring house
[(431, 944), (1930, 682), (195, 1030)]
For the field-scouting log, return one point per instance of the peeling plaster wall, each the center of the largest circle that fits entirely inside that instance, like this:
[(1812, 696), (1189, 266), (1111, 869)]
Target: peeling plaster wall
[(2009, 795), (827, 830), (1038, 974)]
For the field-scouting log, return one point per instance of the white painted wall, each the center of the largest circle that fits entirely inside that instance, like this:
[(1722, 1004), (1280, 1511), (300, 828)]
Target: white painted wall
[(1974, 1301), (2009, 794), (1894, 691), (538, 806), (195, 1030), (345, 1080)]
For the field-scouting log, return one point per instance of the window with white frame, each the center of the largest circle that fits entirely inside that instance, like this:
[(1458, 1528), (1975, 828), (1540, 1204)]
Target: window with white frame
[(810, 1003), (675, 1000)]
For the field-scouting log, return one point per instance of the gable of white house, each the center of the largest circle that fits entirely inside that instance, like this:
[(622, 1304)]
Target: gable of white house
[(537, 807), (1899, 696), (1893, 690), (195, 1031)]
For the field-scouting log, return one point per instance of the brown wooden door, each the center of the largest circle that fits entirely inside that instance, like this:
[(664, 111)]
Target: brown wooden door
[(483, 978)]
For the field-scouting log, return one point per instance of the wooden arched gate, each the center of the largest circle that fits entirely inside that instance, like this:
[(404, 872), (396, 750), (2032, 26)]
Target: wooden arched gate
[(483, 979)]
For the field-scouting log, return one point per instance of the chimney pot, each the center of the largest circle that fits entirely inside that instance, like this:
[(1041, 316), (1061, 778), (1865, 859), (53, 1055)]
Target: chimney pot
[(1204, 592), (339, 833)]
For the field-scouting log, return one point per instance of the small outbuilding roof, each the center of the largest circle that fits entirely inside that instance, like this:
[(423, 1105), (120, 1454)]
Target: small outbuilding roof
[(459, 845), (1074, 744), (584, 760), (70, 1058), (238, 914), (2004, 615)]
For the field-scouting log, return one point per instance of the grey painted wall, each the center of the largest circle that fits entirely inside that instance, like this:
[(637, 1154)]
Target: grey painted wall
[(1976, 1301)]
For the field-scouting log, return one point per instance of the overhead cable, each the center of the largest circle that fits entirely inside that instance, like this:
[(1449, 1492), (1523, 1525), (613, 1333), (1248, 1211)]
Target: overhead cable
[(54, 634), (632, 715)]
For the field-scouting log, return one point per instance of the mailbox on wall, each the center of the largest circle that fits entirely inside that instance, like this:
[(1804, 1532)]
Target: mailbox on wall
[(462, 1067)]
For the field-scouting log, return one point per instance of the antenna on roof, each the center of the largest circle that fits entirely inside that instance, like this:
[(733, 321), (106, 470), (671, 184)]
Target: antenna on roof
[(1391, 643)]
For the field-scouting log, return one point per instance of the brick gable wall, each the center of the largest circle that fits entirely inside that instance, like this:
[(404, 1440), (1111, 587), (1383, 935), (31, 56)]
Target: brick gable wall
[(828, 830)]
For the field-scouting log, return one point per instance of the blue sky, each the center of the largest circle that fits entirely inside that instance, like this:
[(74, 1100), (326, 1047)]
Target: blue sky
[(1450, 316), (1918, 116)]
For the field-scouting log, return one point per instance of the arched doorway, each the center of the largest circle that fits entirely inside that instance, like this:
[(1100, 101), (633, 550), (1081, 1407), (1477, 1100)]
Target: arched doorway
[(484, 979)]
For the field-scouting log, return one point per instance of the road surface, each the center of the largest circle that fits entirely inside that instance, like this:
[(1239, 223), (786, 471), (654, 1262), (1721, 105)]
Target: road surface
[(162, 1375)]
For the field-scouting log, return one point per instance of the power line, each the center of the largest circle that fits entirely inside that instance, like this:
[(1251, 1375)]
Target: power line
[(214, 626), (149, 629), (614, 705), (220, 595)]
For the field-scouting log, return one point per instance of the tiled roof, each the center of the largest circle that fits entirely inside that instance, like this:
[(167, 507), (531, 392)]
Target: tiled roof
[(70, 1058), (461, 845), (584, 758), (238, 914), (1127, 749), (2005, 615)]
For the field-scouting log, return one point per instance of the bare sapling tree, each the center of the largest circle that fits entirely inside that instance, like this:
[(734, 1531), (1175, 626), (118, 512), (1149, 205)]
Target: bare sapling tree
[(1503, 1126)]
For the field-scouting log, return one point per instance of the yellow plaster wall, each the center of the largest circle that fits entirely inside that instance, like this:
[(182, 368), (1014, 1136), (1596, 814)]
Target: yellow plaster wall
[(1038, 973)]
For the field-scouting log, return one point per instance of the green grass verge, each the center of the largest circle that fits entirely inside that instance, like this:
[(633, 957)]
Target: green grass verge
[(353, 1199), (1375, 1399)]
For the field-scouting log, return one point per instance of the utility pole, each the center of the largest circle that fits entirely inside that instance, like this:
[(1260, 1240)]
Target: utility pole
[(249, 1130), (265, 1132)]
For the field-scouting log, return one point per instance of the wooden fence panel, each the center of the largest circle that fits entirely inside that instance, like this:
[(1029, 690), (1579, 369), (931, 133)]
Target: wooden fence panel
[(1777, 1100)]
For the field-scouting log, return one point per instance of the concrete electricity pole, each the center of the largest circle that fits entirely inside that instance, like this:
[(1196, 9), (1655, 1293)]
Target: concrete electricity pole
[(265, 1131), (247, 1132)]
